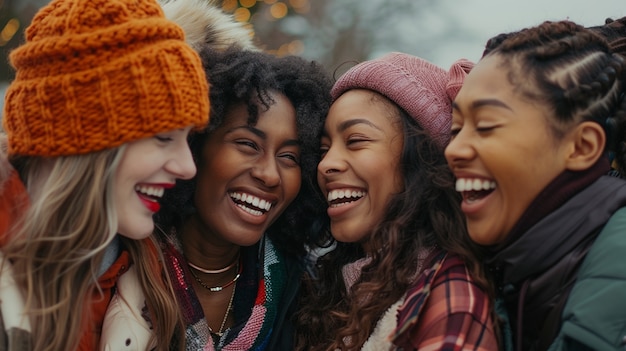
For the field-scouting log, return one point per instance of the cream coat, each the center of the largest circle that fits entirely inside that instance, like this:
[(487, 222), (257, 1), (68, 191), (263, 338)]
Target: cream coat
[(124, 328)]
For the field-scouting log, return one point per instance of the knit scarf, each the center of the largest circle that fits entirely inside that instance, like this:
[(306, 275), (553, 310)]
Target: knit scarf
[(254, 309)]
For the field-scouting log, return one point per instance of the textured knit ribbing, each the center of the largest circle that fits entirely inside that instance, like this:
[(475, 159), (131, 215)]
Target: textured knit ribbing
[(424, 90), (94, 74)]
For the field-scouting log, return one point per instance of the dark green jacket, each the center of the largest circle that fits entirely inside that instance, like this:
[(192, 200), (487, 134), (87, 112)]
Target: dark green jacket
[(594, 317)]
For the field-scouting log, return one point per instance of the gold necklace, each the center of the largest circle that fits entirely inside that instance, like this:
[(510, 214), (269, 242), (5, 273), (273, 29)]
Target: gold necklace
[(228, 310), (218, 288), (213, 271)]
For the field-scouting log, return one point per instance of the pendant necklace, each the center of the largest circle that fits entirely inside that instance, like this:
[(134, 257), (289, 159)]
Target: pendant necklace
[(218, 288), (220, 332)]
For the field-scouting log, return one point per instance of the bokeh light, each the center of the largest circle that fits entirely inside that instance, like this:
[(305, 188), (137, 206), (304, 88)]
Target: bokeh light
[(9, 30), (242, 14), (247, 3), (279, 10)]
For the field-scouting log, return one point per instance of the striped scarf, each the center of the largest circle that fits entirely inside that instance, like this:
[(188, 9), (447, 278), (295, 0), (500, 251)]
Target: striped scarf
[(254, 309)]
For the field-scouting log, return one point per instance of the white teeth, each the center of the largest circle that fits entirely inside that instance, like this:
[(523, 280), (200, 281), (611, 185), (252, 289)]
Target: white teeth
[(486, 184), (477, 184), (252, 200), (463, 184), (249, 210), (154, 191), (344, 194)]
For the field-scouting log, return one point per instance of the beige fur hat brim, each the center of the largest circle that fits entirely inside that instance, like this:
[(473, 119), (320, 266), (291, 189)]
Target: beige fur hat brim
[(206, 24)]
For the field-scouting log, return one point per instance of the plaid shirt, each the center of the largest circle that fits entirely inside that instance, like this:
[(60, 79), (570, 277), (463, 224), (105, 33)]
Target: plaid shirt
[(445, 310)]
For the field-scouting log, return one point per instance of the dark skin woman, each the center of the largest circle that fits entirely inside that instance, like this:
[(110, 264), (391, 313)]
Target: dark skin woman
[(234, 237)]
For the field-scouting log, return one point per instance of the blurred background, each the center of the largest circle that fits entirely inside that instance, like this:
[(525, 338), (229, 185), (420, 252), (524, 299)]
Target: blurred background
[(339, 33)]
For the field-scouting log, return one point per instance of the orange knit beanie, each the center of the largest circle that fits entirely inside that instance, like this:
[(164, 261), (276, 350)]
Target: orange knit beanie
[(94, 74)]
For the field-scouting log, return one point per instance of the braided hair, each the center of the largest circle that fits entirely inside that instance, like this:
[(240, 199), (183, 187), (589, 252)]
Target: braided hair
[(614, 31), (573, 71)]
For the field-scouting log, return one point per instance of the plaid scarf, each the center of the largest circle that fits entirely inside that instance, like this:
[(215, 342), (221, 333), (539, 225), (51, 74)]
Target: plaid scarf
[(257, 296)]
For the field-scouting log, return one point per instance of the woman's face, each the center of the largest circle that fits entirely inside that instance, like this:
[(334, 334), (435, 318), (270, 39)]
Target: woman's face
[(503, 152), (359, 171), (248, 175), (147, 168)]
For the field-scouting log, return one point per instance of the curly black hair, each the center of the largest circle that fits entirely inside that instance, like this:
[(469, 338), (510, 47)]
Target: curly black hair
[(239, 76)]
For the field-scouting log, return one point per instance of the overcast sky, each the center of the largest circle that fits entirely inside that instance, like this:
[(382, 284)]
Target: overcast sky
[(487, 18)]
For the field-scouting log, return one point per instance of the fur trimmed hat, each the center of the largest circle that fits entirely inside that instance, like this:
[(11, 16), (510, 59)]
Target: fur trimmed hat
[(94, 74), (206, 24), (424, 90)]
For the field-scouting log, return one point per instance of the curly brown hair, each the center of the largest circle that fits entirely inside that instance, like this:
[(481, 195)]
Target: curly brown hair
[(242, 76), (424, 214)]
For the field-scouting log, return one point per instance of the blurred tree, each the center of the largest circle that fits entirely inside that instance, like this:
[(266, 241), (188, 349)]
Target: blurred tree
[(339, 33), (14, 17)]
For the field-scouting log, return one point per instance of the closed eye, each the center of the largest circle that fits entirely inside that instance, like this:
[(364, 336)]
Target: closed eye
[(163, 138), (292, 158), (356, 141), (247, 143), (485, 129)]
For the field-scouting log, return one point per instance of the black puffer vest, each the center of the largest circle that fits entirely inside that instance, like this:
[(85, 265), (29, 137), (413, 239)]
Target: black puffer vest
[(535, 273)]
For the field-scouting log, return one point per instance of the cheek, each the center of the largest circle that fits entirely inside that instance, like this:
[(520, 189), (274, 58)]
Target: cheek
[(292, 180)]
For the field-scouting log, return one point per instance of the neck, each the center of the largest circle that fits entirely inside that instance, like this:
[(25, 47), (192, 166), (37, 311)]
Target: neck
[(559, 191), (204, 249)]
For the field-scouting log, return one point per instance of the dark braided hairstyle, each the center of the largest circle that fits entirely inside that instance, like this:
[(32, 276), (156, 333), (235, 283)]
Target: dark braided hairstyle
[(573, 71), (240, 76), (614, 31)]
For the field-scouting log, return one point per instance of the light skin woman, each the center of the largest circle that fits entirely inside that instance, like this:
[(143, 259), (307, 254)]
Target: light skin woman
[(396, 278), (535, 128), (234, 237), (95, 132)]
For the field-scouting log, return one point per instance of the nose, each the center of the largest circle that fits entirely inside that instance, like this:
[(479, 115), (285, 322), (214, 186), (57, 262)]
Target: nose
[(331, 162), (266, 170), (458, 149), (181, 163)]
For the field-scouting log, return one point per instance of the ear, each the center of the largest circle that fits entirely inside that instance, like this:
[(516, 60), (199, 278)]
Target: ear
[(588, 142)]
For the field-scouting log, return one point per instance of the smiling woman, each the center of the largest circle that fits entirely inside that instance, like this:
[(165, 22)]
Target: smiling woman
[(95, 131), (540, 118), (234, 236), (404, 274)]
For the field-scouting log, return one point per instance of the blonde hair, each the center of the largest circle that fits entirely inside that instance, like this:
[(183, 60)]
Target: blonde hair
[(59, 246)]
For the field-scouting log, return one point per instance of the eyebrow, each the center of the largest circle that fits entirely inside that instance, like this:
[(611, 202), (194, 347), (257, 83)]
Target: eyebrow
[(485, 102), (261, 134), (349, 123)]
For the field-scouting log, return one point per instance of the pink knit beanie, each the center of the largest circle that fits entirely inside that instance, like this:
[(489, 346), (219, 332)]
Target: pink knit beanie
[(424, 90)]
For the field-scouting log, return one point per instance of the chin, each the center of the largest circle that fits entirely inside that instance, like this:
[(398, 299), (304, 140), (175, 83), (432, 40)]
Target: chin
[(137, 233)]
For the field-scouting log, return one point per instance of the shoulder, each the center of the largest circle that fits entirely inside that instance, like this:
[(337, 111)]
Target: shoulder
[(447, 286), (615, 224), (11, 302), (451, 307), (608, 249), (595, 312), (13, 201), (125, 320), (455, 291)]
